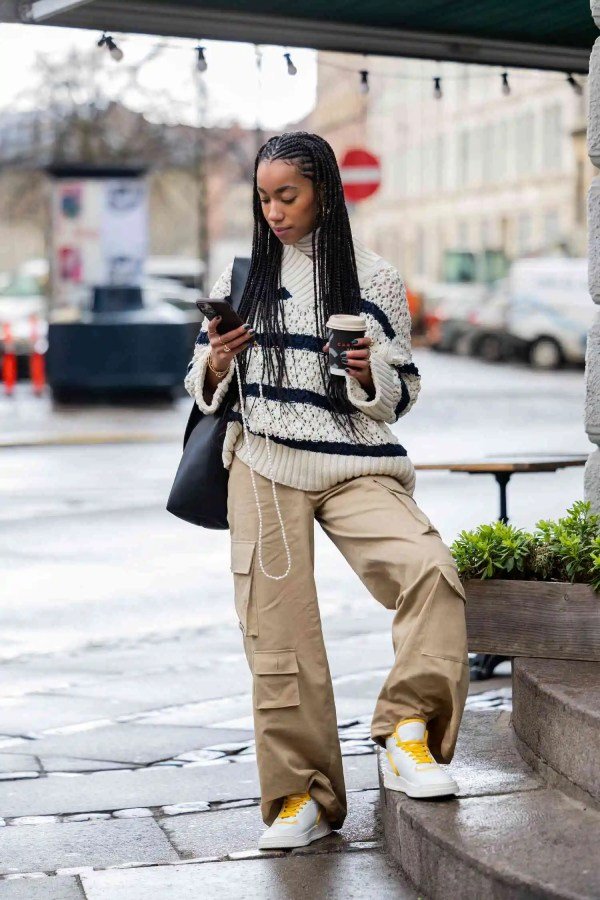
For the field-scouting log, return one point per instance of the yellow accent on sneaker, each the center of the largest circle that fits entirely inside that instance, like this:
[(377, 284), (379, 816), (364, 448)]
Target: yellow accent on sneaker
[(292, 805), (392, 763), (417, 749)]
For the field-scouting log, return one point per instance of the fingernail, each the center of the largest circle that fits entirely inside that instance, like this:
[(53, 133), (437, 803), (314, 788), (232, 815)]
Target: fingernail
[(247, 326), (217, 318), (354, 341)]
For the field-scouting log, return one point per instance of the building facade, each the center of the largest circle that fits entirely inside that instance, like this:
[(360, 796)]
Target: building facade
[(473, 170)]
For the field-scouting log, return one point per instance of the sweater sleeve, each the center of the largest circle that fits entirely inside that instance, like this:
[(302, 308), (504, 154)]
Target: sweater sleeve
[(194, 380), (395, 377)]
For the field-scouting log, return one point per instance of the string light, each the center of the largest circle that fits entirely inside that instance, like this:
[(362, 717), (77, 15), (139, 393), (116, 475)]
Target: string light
[(117, 55), (115, 52), (574, 84), (292, 70), (201, 63)]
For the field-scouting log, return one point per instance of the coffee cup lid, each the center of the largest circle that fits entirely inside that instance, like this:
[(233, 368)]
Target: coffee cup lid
[(346, 322)]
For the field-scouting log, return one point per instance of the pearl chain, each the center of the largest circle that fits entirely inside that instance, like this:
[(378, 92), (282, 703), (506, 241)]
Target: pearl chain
[(260, 523)]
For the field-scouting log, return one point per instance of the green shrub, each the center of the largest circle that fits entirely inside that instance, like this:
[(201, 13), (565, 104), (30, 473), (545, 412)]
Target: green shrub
[(564, 550)]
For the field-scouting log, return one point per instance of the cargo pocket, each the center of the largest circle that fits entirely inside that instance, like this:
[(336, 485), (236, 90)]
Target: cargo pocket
[(275, 679), (420, 521), (445, 631), (242, 554)]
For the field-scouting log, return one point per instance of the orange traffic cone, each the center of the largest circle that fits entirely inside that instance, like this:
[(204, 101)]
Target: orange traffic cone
[(37, 362), (9, 360)]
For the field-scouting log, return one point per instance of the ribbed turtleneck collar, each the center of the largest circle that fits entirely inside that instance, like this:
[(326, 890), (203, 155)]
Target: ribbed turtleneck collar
[(305, 244), (298, 270)]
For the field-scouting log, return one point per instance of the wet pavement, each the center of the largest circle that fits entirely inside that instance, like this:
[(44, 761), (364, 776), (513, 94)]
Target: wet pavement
[(127, 765)]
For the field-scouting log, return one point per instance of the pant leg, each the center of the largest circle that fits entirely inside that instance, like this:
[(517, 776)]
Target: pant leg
[(401, 559), (295, 723)]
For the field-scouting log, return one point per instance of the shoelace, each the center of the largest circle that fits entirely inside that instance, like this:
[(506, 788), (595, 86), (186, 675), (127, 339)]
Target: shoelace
[(293, 804), (417, 749)]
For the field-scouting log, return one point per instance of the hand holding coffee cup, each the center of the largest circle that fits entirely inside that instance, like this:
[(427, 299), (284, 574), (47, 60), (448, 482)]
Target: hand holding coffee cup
[(348, 347)]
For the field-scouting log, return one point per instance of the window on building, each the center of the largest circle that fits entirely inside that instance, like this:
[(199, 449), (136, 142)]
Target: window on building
[(524, 229), (525, 143), (462, 170), (439, 163), (551, 227), (487, 154), (486, 233), (552, 137), (420, 251), (495, 149)]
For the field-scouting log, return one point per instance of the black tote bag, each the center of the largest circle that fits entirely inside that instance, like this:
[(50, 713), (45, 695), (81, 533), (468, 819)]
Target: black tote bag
[(199, 491)]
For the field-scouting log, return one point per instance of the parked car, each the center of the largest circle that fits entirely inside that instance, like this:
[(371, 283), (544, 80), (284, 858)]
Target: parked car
[(447, 319), (489, 338), (550, 310)]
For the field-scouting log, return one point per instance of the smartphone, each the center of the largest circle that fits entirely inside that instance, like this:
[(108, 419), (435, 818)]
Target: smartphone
[(229, 318)]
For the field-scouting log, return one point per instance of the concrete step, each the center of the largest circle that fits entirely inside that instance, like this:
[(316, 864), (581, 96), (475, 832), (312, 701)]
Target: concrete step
[(507, 835), (556, 719)]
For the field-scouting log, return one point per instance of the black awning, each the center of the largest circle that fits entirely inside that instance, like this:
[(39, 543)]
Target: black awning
[(545, 34)]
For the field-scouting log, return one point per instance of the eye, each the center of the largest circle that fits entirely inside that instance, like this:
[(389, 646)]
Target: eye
[(289, 201)]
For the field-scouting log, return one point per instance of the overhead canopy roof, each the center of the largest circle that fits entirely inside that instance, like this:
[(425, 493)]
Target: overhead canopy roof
[(545, 34)]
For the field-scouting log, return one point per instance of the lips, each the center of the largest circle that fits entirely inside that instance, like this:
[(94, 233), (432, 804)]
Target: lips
[(279, 231)]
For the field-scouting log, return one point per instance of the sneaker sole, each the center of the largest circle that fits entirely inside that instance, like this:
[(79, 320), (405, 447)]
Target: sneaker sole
[(418, 791), (281, 842)]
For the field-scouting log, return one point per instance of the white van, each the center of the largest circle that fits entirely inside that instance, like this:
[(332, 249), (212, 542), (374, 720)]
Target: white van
[(549, 309)]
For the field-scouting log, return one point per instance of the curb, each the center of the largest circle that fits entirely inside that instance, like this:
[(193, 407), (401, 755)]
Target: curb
[(66, 440)]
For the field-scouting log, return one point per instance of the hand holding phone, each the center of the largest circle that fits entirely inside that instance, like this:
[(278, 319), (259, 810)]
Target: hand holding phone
[(229, 332), (230, 319)]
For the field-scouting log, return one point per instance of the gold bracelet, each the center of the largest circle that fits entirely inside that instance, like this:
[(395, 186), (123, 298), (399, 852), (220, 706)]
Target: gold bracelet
[(220, 373)]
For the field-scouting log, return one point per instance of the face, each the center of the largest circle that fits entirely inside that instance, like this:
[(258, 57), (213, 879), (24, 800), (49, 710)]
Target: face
[(287, 198)]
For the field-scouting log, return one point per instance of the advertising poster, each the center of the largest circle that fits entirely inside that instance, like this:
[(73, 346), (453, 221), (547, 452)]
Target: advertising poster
[(99, 236)]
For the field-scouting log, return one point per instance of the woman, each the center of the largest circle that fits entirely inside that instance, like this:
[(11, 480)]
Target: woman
[(309, 446)]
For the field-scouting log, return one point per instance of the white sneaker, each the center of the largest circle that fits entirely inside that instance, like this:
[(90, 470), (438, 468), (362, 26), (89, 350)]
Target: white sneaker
[(410, 767), (299, 822)]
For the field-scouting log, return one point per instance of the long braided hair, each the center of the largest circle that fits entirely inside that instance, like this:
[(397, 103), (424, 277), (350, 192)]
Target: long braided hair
[(335, 278)]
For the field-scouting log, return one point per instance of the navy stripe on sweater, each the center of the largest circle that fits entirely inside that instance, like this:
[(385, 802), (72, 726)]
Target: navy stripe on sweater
[(288, 395), (366, 305), (342, 448), (381, 317), (293, 341), (407, 369), (404, 399)]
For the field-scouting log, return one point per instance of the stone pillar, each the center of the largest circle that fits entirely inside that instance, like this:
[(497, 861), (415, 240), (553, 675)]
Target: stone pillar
[(592, 362)]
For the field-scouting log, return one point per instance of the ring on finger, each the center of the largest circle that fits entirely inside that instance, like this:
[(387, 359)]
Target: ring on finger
[(225, 347)]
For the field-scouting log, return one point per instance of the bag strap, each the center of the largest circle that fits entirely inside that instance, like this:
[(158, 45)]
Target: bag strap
[(239, 275)]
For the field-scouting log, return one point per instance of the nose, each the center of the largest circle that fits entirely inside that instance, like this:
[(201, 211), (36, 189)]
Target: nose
[(276, 215)]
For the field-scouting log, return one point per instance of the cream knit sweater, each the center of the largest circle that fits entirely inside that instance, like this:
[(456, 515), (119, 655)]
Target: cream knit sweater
[(308, 449)]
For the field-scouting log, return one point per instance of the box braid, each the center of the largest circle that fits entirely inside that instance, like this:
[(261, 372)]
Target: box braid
[(335, 279)]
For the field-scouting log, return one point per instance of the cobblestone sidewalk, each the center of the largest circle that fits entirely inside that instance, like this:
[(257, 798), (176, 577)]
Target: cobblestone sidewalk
[(128, 771)]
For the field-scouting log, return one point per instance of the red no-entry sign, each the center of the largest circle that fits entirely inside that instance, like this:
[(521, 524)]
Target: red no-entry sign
[(361, 174)]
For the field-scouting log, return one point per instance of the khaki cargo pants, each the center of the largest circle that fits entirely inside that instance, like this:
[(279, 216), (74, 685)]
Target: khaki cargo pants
[(403, 562)]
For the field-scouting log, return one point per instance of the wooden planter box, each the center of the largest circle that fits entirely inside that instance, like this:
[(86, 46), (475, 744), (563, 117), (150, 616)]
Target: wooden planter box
[(555, 620)]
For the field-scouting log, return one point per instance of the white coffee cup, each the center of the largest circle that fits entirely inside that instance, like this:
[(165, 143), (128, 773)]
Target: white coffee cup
[(342, 329)]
